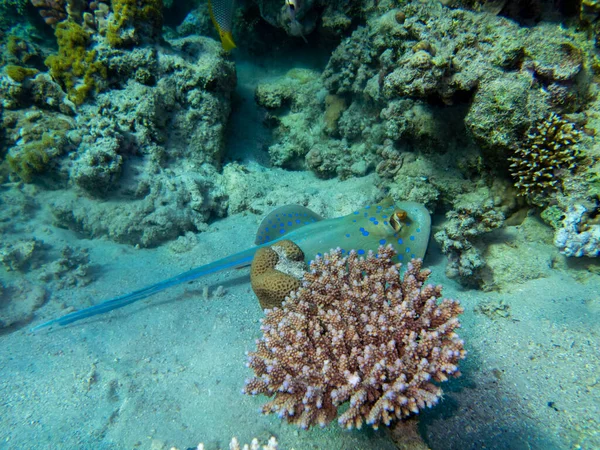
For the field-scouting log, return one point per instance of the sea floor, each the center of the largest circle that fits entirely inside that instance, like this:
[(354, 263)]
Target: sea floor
[(168, 370)]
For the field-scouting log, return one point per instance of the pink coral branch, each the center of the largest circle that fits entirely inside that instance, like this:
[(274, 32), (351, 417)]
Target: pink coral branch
[(356, 332)]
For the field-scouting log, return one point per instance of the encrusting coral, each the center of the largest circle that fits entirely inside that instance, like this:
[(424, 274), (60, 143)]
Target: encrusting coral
[(550, 151), (356, 332)]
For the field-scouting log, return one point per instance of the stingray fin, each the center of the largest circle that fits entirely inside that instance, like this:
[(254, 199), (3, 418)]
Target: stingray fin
[(283, 220)]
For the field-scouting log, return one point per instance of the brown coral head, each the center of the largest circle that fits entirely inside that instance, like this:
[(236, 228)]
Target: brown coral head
[(357, 333), (275, 272)]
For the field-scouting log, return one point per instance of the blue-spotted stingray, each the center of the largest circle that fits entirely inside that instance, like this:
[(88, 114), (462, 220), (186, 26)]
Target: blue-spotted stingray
[(404, 225)]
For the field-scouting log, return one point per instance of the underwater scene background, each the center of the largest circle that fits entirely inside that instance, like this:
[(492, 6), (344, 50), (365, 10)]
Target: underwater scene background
[(142, 139)]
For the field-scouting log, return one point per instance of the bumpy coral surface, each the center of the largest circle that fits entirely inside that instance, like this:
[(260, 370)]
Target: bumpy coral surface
[(551, 150), (357, 332)]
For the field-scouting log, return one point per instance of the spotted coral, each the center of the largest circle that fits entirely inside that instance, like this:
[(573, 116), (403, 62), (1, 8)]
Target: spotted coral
[(274, 272), (356, 332), (538, 166)]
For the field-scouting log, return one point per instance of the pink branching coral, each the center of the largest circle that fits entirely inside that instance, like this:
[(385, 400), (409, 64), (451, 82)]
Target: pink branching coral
[(356, 332)]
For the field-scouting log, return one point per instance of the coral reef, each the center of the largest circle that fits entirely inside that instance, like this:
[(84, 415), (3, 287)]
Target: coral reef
[(75, 66), (36, 142), (459, 237), (21, 255), (174, 97), (356, 332), (134, 22), (69, 270), (550, 152), (275, 272), (580, 232)]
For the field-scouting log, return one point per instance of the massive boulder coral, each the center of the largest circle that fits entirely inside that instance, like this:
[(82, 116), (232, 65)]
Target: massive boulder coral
[(357, 332)]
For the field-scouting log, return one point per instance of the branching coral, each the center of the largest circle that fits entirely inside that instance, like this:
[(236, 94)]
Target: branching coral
[(539, 165), (356, 332)]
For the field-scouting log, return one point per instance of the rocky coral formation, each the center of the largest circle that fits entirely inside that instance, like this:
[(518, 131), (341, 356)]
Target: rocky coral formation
[(459, 237), (175, 98), (580, 232), (357, 332)]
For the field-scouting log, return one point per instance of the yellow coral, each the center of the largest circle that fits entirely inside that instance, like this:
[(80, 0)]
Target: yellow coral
[(18, 73), (75, 67), (34, 157), (131, 18)]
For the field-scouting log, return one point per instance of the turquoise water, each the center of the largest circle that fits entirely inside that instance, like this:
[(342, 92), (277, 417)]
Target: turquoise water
[(135, 150)]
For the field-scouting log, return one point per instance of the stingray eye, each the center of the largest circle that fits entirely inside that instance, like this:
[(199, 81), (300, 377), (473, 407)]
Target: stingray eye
[(398, 219)]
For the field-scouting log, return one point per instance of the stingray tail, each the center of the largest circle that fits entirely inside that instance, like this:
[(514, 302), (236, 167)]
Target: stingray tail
[(238, 260)]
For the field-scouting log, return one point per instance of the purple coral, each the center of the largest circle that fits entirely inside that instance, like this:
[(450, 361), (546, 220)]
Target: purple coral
[(357, 332)]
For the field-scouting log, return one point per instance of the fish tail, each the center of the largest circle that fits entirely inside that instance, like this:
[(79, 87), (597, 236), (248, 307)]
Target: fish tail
[(221, 14)]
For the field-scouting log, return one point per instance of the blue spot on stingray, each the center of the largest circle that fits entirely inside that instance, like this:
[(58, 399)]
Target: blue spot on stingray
[(412, 256), (347, 235), (282, 224), (382, 242), (384, 216), (354, 220), (361, 229), (407, 249), (289, 224), (385, 222), (376, 223), (298, 221), (319, 254), (412, 238), (365, 233), (361, 252), (365, 215), (306, 223), (367, 207), (290, 215), (267, 238), (281, 231), (270, 221), (418, 230), (372, 219), (355, 212), (400, 257), (400, 241), (343, 251), (267, 229)]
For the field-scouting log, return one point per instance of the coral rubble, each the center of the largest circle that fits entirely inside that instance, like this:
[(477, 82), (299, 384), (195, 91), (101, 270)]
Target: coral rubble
[(356, 332)]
